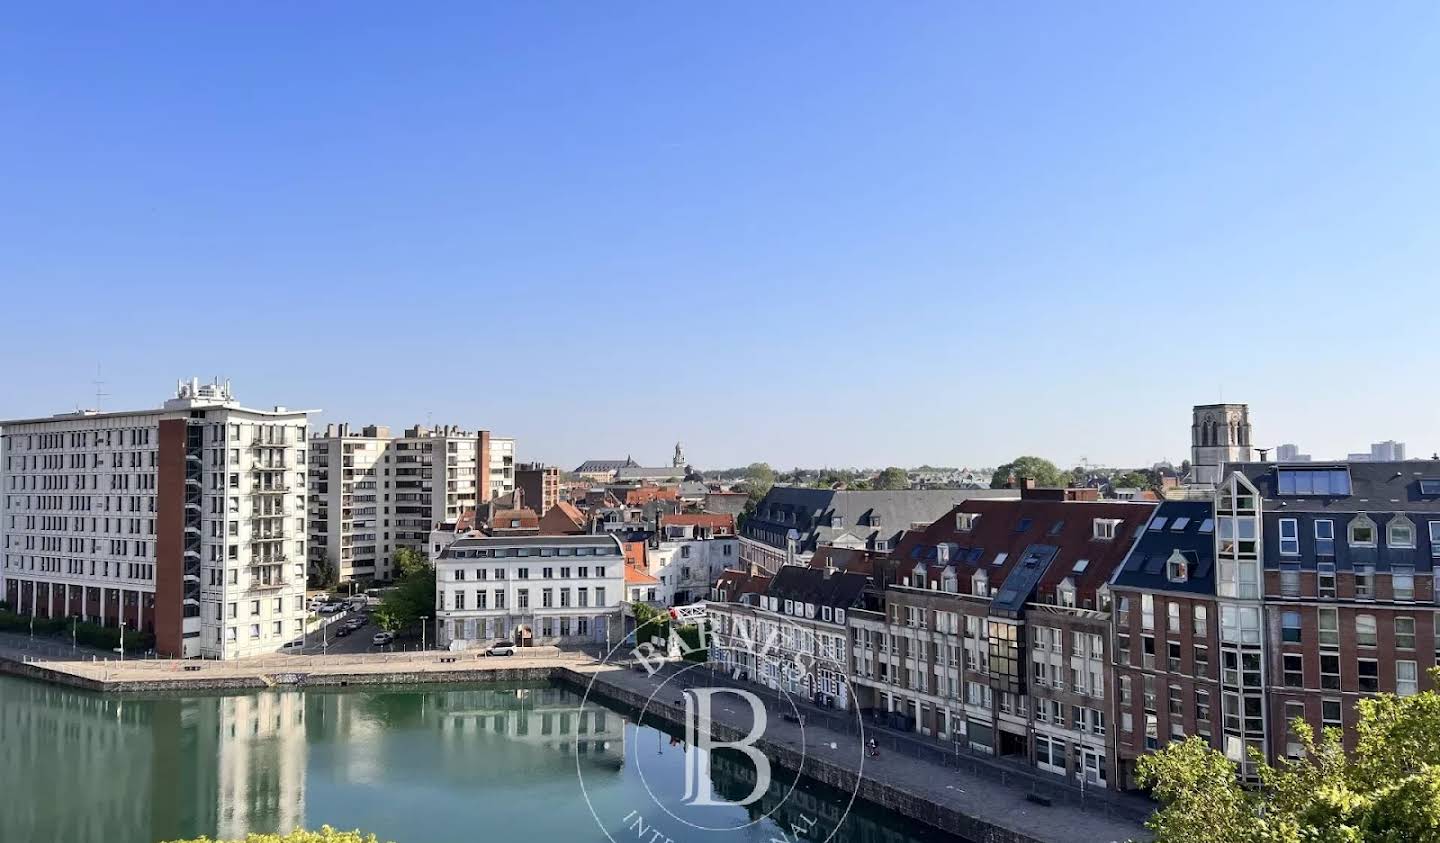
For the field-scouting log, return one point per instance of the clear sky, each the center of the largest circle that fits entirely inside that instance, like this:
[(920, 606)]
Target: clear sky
[(828, 233)]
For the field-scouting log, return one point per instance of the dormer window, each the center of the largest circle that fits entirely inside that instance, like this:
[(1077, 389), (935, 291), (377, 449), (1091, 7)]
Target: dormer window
[(1105, 528), (1066, 593), (874, 519), (1362, 531), (950, 581), (917, 577), (980, 584), (965, 521), (1177, 568), (1400, 532), (836, 521)]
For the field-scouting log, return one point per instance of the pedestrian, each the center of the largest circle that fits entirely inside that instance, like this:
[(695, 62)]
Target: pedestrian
[(872, 749)]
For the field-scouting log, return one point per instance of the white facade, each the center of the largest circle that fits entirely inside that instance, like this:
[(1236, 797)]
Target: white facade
[(373, 493), (530, 590), (502, 466), (687, 563), (759, 643), (85, 500)]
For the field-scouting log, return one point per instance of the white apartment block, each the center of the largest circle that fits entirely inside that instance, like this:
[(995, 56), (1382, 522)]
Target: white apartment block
[(502, 467), (689, 553), (372, 493), (188, 521), (530, 590)]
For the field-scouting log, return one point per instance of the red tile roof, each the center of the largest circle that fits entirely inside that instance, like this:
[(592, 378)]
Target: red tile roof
[(717, 523), (635, 576), (502, 518), (1011, 526), (562, 519), (646, 494)]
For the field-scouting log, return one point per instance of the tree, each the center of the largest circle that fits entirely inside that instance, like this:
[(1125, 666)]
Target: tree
[(891, 478), (759, 477), (1131, 480), (1387, 789), (1041, 470), (413, 596), (323, 572), (407, 561), (326, 834)]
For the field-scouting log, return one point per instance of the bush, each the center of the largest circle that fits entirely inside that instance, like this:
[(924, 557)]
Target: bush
[(326, 834), (89, 634)]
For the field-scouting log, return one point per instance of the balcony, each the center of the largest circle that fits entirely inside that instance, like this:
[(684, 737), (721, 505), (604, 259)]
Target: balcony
[(259, 444)]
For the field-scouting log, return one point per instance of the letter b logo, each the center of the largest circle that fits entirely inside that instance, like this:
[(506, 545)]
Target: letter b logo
[(699, 743)]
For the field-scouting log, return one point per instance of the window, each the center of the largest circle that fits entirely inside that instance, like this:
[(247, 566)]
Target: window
[(1435, 538), (1177, 568), (1105, 528), (1289, 579), (1294, 669), (1404, 633), (1330, 671), (1325, 580), (1294, 749), (1369, 672), (1202, 660), (1290, 624), (1324, 537), (964, 521), (1202, 712), (1406, 682), (1400, 533), (1331, 714), (1199, 615), (1364, 582), (1289, 537), (1329, 627), (1402, 582), (1365, 631), (1362, 531), (1147, 611), (1172, 617)]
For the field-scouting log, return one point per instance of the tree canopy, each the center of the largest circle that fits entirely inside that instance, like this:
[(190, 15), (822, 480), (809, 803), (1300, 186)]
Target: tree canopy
[(1387, 789), (759, 477), (413, 596), (1039, 469), (1131, 480), (891, 478)]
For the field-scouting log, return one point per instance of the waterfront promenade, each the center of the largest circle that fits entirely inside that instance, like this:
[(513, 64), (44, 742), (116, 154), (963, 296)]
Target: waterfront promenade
[(990, 808)]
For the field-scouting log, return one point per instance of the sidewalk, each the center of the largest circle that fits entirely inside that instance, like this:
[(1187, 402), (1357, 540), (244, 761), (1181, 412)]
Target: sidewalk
[(975, 791)]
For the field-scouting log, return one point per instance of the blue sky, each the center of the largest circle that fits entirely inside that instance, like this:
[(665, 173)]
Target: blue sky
[(811, 234)]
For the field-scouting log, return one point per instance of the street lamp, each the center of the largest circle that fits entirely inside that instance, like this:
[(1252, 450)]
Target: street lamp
[(122, 639), (423, 619)]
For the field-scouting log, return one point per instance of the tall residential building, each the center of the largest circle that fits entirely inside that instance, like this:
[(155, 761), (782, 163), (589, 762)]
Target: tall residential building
[(539, 484), (373, 493), (1387, 451), (186, 521), (502, 466), (1219, 434)]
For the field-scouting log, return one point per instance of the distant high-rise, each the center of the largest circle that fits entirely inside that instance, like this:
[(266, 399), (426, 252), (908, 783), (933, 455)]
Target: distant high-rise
[(1387, 451), (1290, 453), (1219, 433)]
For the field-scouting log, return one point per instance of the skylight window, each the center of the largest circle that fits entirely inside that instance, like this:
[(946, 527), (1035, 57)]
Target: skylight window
[(975, 553), (1430, 487), (1080, 566), (1023, 525), (1207, 526), (1318, 482), (1001, 557), (1180, 523), (1158, 523)]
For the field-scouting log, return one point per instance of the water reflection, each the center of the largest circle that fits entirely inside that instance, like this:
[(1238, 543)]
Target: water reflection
[(413, 765)]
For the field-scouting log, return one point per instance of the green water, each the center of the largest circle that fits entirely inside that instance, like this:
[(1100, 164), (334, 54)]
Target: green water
[(463, 764)]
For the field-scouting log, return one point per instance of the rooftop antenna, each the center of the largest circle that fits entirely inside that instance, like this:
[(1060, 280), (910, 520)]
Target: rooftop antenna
[(99, 385)]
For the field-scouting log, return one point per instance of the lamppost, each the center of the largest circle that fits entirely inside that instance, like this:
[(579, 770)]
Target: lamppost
[(74, 634), (423, 619), (122, 639)]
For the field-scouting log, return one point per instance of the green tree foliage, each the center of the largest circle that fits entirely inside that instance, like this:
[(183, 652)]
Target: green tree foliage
[(1131, 480), (323, 573), (1041, 470), (1386, 791), (413, 597), (85, 634), (759, 477), (326, 834), (891, 478)]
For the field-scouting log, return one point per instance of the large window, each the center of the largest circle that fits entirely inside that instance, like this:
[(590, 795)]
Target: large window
[(1402, 581), (1289, 537), (1324, 537), (1365, 631), (1406, 682), (1329, 627), (1290, 625), (1404, 633), (1316, 482)]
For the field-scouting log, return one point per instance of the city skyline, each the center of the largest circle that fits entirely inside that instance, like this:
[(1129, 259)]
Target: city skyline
[(955, 234)]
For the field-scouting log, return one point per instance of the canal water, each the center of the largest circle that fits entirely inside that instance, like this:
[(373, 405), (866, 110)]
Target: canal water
[(417, 765)]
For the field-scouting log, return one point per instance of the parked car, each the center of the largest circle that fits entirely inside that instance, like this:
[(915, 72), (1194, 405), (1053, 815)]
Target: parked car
[(293, 646), (382, 638), (500, 648), (357, 621), (344, 630), (329, 608)]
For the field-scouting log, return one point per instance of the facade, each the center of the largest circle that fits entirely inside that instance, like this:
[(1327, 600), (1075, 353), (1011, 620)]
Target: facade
[(602, 471), (188, 522), (1219, 434), (863, 520), (502, 465), (1166, 647), (372, 493), (539, 483), (691, 551), (800, 615), (1290, 453), (529, 589), (997, 635)]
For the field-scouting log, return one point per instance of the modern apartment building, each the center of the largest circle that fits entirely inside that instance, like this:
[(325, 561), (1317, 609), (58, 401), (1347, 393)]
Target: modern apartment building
[(529, 589), (1166, 648), (187, 521), (539, 484), (997, 637), (373, 493), (502, 466)]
